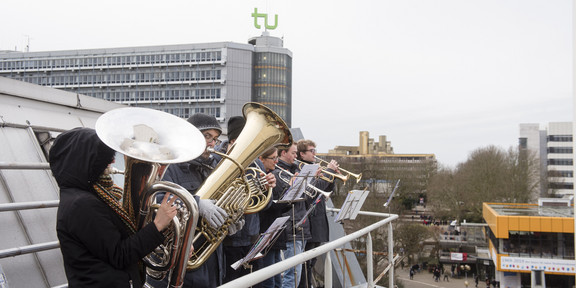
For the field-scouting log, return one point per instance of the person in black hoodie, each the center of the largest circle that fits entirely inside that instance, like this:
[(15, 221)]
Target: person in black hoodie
[(99, 243)]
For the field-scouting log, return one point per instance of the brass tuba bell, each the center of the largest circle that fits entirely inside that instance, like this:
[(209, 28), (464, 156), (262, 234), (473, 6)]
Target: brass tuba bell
[(151, 140)]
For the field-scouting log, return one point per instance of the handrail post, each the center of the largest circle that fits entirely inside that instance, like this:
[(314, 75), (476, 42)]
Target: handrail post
[(369, 261), (328, 271), (390, 256)]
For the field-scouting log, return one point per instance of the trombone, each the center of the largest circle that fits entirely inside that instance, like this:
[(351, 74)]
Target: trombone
[(340, 176), (312, 194)]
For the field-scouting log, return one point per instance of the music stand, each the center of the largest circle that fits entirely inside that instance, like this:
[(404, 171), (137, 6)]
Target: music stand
[(265, 241), (352, 205), (294, 193), (392, 194)]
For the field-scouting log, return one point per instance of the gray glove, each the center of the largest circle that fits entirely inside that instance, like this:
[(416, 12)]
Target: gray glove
[(235, 227), (215, 215)]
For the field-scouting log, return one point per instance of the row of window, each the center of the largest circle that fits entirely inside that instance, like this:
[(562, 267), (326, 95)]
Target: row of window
[(272, 75), (560, 138), (155, 95), (103, 79), (558, 186), (187, 112), (124, 60), (560, 150), (561, 173), (538, 244), (269, 58), (271, 94), (561, 162)]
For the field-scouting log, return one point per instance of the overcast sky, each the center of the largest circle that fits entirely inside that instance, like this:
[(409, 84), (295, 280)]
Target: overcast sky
[(435, 76)]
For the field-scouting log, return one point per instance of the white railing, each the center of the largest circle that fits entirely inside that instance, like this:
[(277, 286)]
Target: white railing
[(265, 273)]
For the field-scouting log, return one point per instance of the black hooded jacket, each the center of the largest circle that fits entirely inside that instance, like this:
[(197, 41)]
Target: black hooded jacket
[(98, 249)]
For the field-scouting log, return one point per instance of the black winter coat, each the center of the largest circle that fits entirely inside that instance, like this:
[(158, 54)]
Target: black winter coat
[(191, 175), (98, 249), (319, 230)]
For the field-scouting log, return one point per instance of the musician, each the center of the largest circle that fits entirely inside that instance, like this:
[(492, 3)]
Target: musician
[(295, 238), (99, 242), (191, 175), (237, 245), (275, 211), (317, 218)]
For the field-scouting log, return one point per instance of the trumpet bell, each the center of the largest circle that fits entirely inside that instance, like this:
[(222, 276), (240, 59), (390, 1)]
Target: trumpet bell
[(150, 135)]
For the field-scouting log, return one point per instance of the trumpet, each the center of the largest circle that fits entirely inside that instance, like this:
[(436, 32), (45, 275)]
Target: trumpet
[(340, 176), (312, 194)]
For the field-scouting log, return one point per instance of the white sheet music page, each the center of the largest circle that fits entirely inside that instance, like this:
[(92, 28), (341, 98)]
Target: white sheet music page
[(304, 177)]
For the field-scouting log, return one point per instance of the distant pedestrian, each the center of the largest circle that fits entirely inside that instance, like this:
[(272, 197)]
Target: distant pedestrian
[(446, 278), (411, 273)]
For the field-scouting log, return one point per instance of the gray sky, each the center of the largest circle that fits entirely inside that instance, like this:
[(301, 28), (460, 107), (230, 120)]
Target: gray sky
[(436, 76)]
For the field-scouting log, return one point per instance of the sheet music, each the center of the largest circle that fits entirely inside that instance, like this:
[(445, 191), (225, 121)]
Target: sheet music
[(354, 201), (265, 239), (304, 177)]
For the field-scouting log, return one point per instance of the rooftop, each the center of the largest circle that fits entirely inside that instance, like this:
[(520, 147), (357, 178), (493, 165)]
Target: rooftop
[(506, 209)]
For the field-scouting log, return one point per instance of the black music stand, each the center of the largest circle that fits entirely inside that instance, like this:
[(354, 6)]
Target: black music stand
[(265, 241)]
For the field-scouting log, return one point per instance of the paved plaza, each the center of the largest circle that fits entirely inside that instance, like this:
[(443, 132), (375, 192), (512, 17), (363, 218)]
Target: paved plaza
[(424, 279)]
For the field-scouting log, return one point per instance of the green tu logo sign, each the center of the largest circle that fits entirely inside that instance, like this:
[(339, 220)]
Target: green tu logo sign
[(257, 15)]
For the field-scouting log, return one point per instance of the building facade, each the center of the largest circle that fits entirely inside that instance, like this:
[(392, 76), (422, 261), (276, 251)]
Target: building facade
[(211, 78), (380, 168), (531, 245), (553, 147)]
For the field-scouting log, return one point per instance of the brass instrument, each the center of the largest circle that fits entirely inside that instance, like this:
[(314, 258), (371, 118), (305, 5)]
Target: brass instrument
[(340, 176), (312, 194), (229, 184), (151, 140)]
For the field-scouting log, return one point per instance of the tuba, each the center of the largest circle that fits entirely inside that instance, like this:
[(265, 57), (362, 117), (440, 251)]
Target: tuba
[(231, 183), (151, 140)]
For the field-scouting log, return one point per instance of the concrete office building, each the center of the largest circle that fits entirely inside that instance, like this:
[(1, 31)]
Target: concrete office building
[(552, 146), (212, 78)]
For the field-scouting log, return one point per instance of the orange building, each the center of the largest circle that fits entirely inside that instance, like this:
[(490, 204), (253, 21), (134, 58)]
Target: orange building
[(531, 245)]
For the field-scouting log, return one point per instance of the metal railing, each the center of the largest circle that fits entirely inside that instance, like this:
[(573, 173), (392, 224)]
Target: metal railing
[(265, 273), (33, 248), (255, 277)]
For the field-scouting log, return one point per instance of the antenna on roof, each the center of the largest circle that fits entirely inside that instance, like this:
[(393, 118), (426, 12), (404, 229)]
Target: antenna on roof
[(27, 43)]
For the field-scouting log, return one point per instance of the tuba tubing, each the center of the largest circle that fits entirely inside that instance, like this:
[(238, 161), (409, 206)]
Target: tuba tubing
[(229, 185)]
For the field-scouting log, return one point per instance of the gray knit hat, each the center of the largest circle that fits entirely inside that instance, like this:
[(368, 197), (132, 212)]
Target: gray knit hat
[(204, 122)]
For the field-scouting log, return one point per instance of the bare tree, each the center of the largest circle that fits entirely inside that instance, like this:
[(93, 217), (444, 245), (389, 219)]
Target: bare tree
[(410, 237), (490, 174)]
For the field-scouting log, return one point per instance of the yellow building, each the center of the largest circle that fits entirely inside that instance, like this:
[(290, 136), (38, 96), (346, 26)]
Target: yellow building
[(531, 245), (380, 167)]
